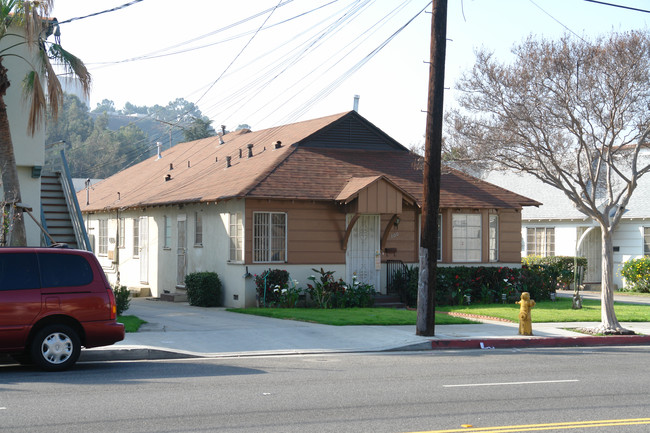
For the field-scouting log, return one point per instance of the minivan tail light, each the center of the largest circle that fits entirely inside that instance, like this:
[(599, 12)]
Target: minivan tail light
[(113, 305)]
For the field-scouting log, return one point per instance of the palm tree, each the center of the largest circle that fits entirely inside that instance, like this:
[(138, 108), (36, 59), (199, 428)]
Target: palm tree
[(27, 23)]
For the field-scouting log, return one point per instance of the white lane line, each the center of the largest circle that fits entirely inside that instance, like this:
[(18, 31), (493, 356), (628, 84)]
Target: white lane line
[(510, 383)]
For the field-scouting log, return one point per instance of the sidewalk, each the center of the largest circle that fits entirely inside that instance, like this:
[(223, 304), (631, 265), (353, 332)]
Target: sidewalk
[(176, 330)]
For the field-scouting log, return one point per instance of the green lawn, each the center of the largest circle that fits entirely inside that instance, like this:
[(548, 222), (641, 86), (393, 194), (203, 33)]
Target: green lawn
[(131, 323), (544, 311), (558, 311), (349, 316)]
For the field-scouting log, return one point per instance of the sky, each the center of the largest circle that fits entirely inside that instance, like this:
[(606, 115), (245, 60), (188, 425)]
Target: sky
[(271, 62)]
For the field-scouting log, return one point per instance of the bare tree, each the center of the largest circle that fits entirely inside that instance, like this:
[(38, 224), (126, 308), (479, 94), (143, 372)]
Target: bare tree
[(573, 113)]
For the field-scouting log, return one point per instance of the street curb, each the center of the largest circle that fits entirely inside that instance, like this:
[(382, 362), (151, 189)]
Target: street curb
[(132, 354), (144, 354), (506, 343)]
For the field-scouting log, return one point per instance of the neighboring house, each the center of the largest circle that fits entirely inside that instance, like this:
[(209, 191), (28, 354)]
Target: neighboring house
[(555, 228), (334, 193), (29, 151), (49, 195)]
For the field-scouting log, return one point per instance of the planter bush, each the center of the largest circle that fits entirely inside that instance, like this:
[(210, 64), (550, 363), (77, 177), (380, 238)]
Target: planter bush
[(559, 268), (637, 275), (273, 289), (122, 300), (203, 289)]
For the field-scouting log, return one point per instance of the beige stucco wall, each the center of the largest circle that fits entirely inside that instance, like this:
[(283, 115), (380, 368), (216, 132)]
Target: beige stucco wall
[(29, 151)]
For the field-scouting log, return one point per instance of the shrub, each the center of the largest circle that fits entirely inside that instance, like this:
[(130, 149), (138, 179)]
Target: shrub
[(356, 295), (455, 284), (273, 288), (637, 274), (325, 291), (405, 283), (559, 268), (122, 300), (203, 289)]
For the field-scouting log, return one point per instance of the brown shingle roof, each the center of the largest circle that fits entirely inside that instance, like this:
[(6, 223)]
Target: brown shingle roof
[(312, 163)]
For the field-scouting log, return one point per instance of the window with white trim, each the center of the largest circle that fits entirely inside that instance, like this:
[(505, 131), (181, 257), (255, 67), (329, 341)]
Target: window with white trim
[(136, 237), (102, 238), (646, 241), (269, 237), (236, 236), (540, 241), (466, 237), (121, 228), (493, 237)]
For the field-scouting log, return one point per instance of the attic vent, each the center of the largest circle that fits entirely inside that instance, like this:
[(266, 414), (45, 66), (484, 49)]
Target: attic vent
[(168, 177), (228, 158), (277, 144), (250, 150)]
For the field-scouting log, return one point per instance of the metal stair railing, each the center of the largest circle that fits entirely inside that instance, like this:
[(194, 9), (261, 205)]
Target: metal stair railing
[(73, 206)]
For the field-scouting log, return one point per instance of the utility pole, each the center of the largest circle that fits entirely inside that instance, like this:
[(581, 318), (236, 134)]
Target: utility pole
[(432, 155)]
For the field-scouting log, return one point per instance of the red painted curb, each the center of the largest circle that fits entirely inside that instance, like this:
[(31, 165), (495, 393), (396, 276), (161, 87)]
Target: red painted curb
[(505, 343)]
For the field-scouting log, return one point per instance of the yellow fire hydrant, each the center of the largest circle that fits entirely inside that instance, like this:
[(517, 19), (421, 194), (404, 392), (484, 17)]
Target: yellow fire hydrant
[(525, 321)]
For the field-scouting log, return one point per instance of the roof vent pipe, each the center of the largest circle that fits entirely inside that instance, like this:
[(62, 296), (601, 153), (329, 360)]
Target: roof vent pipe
[(250, 150), (355, 106), (228, 158), (240, 153), (159, 146), (171, 166), (277, 144), (223, 129), (221, 139)]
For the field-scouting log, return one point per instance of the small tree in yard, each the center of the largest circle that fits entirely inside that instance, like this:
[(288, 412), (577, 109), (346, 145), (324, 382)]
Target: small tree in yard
[(572, 113)]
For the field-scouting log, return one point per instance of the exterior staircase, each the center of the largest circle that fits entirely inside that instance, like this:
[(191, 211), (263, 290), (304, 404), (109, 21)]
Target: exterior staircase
[(388, 301), (55, 213), (60, 214)]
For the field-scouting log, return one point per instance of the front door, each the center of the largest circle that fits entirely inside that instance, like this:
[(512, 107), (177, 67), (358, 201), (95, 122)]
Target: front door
[(181, 251), (362, 256)]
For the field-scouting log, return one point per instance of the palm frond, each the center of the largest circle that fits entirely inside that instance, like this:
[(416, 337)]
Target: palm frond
[(71, 65), (33, 90)]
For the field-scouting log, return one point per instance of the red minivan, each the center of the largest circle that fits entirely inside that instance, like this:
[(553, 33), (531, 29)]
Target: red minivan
[(52, 302)]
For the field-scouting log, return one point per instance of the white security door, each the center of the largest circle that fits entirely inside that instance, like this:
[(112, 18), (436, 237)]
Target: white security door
[(181, 251), (591, 249), (144, 249), (363, 255)]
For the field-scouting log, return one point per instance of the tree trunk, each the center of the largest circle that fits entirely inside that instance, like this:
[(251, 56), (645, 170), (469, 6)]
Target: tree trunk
[(10, 183), (608, 321)]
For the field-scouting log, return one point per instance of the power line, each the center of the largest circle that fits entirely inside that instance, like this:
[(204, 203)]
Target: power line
[(619, 6), (102, 12), (557, 21)]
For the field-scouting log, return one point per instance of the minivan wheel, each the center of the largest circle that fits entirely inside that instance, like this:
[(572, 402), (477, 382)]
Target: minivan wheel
[(55, 348)]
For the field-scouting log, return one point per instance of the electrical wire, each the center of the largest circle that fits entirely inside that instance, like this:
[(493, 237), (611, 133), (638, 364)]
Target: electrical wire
[(102, 12), (619, 6)]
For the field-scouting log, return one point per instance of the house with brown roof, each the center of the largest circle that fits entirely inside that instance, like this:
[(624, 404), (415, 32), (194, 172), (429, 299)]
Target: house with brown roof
[(334, 192)]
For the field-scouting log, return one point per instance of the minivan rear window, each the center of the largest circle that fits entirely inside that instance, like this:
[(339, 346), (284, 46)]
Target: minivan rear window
[(64, 270), (18, 271)]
